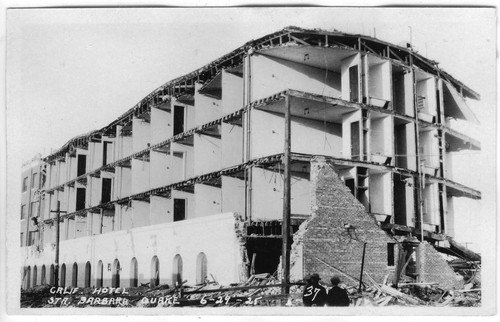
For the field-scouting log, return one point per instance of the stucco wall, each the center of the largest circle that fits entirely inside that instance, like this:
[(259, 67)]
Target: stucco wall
[(267, 195), (271, 75), (141, 134), (233, 195), (380, 186), (232, 93), (160, 125), (232, 145), (208, 153), (140, 176), (207, 108), (159, 169), (164, 241), (208, 200), (308, 136)]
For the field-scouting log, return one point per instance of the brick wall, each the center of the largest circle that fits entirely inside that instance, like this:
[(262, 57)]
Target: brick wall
[(435, 269), (324, 238)]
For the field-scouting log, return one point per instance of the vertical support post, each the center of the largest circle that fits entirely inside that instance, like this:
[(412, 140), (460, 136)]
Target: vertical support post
[(420, 198), (58, 218), (362, 268), (285, 254), (56, 270)]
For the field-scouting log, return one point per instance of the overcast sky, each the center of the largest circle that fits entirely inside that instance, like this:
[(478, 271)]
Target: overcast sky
[(72, 71)]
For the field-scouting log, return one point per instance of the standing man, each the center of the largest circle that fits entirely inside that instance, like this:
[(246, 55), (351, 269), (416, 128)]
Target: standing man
[(337, 296), (314, 294)]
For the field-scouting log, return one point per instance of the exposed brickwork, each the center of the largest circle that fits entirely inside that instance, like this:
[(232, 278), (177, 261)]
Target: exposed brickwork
[(435, 269), (326, 238)]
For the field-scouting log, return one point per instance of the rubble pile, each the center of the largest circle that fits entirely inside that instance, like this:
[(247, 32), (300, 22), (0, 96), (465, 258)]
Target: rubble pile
[(258, 290), (414, 294)]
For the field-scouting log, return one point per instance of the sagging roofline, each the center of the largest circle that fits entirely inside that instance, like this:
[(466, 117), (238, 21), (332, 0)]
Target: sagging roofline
[(310, 37)]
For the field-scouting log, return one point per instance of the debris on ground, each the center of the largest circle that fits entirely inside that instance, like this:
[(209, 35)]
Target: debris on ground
[(259, 290)]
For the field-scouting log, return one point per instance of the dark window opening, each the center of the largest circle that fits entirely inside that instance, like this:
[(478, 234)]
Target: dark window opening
[(400, 142), (87, 274), (177, 271), (354, 83), (179, 209), (74, 280), (134, 278), (51, 275), (100, 269), (43, 277), (155, 272), (399, 199), (80, 198), (62, 280), (35, 277), (355, 146), (398, 90), (105, 146), (264, 255), (27, 277), (106, 190), (178, 119), (441, 229), (82, 164), (115, 278), (390, 254)]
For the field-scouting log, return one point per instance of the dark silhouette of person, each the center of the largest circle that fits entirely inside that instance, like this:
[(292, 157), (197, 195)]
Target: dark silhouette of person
[(337, 296), (314, 294)]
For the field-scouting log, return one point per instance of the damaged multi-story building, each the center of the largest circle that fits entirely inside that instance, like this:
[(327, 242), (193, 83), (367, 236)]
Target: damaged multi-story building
[(345, 140)]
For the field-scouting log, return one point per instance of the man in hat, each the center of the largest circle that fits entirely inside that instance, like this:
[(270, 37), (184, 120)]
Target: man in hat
[(337, 296), (314, 294)]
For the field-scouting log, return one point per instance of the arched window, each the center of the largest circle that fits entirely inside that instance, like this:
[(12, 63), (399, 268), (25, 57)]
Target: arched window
[(74, 280), (87, 274), (27, 278), (98, 279), (51, 275), (43, 278), (115, 277), (134, 274), (177, 271), (62, 281), (35, 273), (201, 268), (155, 271)]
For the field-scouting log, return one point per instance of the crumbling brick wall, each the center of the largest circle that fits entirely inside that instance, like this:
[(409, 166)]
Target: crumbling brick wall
[(325, 238), (435, 269)]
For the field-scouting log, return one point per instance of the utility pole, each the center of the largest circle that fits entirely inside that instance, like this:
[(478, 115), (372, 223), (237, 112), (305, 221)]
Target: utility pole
[(285, 231), (58, 217)]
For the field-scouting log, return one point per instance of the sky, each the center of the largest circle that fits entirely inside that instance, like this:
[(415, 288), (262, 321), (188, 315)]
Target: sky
[(70, 71)]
